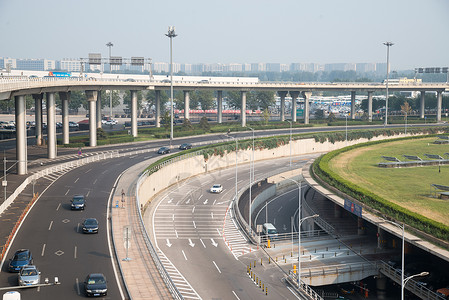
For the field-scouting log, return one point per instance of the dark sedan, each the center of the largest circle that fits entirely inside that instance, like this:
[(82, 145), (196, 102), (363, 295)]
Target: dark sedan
[(96, 285), (163, 150), (185, 146), (78, 202), (20, 259), (90, 225)]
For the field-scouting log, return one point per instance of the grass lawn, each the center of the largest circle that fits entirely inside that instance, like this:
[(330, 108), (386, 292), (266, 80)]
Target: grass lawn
[(408, 187)]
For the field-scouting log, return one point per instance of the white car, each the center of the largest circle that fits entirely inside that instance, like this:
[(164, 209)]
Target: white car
[(216, 188)]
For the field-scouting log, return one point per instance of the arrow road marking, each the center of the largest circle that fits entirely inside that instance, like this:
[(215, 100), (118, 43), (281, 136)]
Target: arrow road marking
[(168, 243), (169, 201), (188, 201), (285, 227), (205, 202), (191, 244), (215, 244)]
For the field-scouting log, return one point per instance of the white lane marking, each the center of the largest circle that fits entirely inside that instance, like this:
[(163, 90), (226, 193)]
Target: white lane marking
[(205, 202), (176, 234), (173, 217), (78, 228), (212, 214), (184, 254), (200, 196), (188, 201), (87, 195), (191, 244), (43, 250), (214, 202), (193, 209), (77, 180), (77, 286), (67, 192), (218, 232), (88, 170), (170, 201), (74, 256), (235, 295), (194, 225), (177, 202), (168, 243), (280, 208), (202, 243), (49, 227), (216, 267), (59, 205), (95, 181), (215, 244)]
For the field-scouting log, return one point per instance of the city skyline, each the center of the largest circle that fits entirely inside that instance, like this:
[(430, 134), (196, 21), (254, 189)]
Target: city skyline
[(321, 32)]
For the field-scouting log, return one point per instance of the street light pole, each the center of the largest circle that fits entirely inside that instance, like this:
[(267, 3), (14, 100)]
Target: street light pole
[(171, 34), (388, 44), (404, 282), (251, 178), (403, 251), (236, 152), (110, 71), (290, 142)]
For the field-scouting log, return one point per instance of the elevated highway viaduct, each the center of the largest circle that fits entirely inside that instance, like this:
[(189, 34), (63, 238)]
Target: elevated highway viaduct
[(18, 88)]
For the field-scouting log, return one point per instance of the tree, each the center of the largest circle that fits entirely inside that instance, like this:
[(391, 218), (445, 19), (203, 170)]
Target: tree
[(234, 99), (331, 117), (166, 120), (319, 114), (127, 99), (204, 124), (105, 99), (205, 98), (77, 99), (187, 125), (265, 99), (266, 116), (406, 109), (151, 99)]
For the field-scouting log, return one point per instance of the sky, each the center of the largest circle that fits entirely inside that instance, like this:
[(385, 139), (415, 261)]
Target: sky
[(231, 31)]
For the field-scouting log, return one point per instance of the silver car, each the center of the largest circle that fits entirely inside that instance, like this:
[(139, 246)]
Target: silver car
[(29, 275)]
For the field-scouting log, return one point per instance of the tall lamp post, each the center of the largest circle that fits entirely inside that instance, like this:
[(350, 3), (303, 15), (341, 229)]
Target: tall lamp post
[(404, 282), (109, 45), (388, 44), (171, 34), (402, 256), (290, 141), (251, 178), (236, 152)]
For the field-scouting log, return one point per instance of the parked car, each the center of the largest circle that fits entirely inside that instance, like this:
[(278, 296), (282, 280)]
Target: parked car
[(78, 202), (216, 188), (21, 258), (73, 125), (185, 146), (90, 225), (163, 150), (29, 275), (96, 285)]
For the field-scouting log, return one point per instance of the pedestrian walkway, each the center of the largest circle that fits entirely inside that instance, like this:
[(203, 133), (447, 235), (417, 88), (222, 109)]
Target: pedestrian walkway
[(141, 275)]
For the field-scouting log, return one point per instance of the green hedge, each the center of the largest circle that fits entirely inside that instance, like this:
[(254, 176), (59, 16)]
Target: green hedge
[(322, 170)]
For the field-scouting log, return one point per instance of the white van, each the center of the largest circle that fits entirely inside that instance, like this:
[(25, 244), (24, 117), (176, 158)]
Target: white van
[(269, 230), (13, 295)]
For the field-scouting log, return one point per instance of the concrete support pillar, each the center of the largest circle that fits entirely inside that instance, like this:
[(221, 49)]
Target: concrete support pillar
[(92, 98), (422, 105), (439, 104), (186, 105), (157, 116), (51, 125), (381, 239), (134, 113), (98, 109), (352, 105), (21, 135), (294, 96), (243, 109), (306, 96), (282, 95), (370, 106), (360, 226), (64, 96), (220, 106), (38, 117)]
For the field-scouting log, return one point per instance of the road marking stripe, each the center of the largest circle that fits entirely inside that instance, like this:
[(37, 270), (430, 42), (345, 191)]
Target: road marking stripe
[(43, 250), (75, 253), (77, 180), (184, 254), (217, 267), (77, 286), (59, 205), (235, 295), (49, 227)]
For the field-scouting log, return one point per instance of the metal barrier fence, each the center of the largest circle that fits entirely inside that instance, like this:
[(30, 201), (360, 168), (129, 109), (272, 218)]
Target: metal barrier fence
[(162, 271), (292, 278)]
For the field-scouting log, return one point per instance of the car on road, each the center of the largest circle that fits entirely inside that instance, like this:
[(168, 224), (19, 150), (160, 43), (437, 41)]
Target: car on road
[(96, 285), (73, 125), (78, 202), (21, 258), (166, 81), (163, 150), (90, 225), (29, 275), (185, 146), (111, 122), (216, 188)]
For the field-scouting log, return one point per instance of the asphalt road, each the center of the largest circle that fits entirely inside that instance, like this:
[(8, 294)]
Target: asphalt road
[(193, 230)]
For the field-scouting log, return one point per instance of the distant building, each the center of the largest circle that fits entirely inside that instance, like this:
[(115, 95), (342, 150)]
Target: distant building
[(70, 65), (35, 64)]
